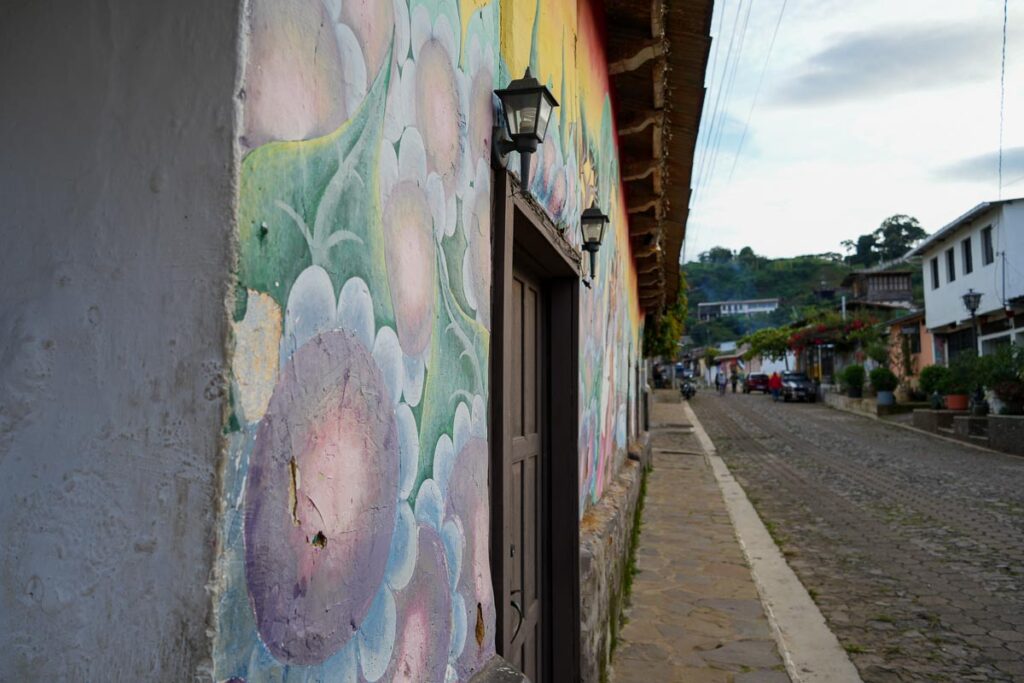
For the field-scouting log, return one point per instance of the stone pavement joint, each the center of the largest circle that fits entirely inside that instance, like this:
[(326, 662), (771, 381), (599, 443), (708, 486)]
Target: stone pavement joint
[(695, 614)]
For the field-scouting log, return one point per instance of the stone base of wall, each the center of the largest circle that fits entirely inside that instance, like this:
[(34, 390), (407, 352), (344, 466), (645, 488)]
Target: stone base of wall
[(605, 533), (969, 428), (640, 450), (861, 406), (1006, 433), (499, 671), (935, 420), (867, 406)]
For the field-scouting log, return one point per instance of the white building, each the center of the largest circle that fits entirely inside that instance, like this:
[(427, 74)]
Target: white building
[(983, 251), (717, 309)]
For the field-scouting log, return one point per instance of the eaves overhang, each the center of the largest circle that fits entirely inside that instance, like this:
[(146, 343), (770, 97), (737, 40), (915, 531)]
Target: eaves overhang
[(657, 57), (950, 229)]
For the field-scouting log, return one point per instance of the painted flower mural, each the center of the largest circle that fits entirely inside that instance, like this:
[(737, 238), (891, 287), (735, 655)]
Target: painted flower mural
[(355, 533), (314, 559), (355, 536)]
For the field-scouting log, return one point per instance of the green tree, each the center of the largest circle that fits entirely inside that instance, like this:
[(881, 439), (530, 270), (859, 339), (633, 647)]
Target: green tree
[(771, 343), (716, 255), (663, 332), (891, 240), (865, 251), (897, 235)]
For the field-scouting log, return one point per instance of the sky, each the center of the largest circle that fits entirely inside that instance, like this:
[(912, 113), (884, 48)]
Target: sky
[(866, 109)]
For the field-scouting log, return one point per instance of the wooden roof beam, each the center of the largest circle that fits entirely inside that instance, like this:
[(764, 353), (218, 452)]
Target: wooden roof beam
[(640, 169), (644, 225), (642, 202), (648, 50), (651, 268), (640, 121), (646, 250)]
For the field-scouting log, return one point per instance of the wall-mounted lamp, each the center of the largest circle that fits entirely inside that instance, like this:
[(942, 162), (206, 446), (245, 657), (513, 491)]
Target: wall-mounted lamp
[(592, 225), (526, 107)]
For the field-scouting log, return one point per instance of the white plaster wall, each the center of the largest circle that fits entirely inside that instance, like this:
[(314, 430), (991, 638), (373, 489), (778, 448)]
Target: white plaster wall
[(945, 304), (117, 205)]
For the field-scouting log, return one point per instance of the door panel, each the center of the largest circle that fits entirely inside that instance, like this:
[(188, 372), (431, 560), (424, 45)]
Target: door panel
[(526, 468)]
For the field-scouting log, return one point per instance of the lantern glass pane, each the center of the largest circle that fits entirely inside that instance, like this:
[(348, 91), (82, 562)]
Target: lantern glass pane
[(545, 117), (521, 112), (592, 229)]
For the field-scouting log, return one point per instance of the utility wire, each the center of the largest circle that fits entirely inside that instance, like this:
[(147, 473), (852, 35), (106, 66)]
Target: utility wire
[(716, 111), (717, 32), (705, 152), (757, 92), (1002, 96), (723, 113)]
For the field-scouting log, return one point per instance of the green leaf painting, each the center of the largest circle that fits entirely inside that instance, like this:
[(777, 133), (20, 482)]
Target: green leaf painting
[(315, 202)]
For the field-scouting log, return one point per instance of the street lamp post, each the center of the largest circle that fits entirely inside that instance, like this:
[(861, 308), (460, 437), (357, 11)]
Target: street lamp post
[(972, 300)]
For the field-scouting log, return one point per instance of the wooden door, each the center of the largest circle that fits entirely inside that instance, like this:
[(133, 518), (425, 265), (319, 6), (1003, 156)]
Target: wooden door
[(534, 410), (525, 469)]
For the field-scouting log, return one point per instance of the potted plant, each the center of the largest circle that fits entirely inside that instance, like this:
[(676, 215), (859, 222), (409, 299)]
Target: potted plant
[(853, 380), (933, 382), (885, 382), (1001, 373), (962, 377), (1011, 393)]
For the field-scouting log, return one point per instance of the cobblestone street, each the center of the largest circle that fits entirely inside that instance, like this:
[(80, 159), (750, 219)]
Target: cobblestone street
[(912, 546)]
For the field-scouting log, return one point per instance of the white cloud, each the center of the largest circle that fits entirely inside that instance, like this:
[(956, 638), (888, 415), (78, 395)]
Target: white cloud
[(889, 122)]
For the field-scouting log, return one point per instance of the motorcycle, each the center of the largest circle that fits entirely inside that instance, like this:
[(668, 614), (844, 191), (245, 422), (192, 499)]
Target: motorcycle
[(688, 389)]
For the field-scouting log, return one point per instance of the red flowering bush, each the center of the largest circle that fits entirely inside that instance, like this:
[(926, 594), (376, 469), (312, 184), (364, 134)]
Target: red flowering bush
[(844, 334)]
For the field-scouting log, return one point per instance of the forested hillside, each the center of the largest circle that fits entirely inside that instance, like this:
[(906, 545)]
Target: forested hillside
[(721, 274)]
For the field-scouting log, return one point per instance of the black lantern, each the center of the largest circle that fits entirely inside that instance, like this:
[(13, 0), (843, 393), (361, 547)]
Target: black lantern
[(526, 107), (972, 300), (592, 225)]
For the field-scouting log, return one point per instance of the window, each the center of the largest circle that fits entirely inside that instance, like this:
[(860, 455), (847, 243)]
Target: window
[(988, 254), (935, 273), (968, 257), (950, 265)]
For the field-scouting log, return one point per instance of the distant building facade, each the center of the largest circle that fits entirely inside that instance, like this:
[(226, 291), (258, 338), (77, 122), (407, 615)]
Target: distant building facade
[(890, 287), (719, 309)]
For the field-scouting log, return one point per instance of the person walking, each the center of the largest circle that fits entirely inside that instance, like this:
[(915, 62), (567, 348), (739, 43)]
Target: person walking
[(734, 379), (720, 381), (775, 385)]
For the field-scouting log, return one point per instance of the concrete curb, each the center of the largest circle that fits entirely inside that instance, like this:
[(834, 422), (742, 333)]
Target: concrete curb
[(810, 650)]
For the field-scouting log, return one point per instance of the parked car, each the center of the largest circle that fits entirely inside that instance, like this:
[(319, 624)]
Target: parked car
[(755, 382), (796, 386)]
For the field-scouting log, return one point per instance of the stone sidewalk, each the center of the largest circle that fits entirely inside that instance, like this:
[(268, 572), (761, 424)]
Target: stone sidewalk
[(695, 614)]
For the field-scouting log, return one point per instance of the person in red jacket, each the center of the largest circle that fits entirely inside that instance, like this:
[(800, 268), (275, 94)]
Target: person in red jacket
[(775, 385)]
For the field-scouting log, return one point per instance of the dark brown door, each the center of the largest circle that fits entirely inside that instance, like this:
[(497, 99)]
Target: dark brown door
[(534, 414), (525, 472)]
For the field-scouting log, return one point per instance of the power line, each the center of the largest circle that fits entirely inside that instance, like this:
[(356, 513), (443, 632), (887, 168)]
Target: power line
[(717, 125), (714, 60), (757, 92), (718, 100), (728, 96), (1002, 96)]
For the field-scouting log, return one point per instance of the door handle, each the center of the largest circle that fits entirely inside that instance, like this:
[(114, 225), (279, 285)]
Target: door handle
[(519, 613)]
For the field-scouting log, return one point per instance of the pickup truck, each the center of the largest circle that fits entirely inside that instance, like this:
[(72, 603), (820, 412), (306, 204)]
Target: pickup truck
[(797, 386)]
